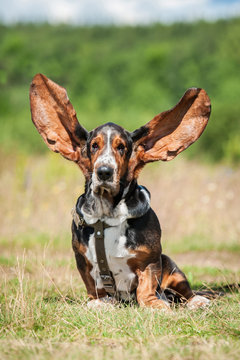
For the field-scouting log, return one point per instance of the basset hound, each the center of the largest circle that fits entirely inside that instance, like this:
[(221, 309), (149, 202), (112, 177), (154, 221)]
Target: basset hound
[(115, 233)]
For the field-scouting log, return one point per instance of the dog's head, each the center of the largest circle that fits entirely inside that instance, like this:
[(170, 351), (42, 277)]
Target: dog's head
[(109, 156)]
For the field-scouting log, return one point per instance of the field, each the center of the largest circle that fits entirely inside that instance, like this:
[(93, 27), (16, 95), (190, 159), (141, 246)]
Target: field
[(125, 75), (43, 310)]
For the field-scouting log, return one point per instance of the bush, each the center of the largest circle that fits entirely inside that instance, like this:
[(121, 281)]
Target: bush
[(124, 74)]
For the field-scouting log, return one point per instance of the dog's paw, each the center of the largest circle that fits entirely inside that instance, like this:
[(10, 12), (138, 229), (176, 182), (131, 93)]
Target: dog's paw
[(164, 304), (102, 303), (197, 302), (156, 304)]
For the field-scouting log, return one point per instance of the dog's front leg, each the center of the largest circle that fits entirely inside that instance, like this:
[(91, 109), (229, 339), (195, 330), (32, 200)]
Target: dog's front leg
[(98, 297), (84, 268), (148, 281)]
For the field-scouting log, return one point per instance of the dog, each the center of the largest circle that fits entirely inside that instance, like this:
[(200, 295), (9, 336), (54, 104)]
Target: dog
[(115, 233)]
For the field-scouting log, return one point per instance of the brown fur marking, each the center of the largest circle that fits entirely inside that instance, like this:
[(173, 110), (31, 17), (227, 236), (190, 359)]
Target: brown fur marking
[(178, 282), (147, 286)]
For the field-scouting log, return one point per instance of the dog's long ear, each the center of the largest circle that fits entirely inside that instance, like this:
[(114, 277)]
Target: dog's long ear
[(172, 131), (56, 121)]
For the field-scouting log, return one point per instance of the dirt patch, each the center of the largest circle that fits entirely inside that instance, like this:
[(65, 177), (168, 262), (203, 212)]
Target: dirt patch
[(221, 260)]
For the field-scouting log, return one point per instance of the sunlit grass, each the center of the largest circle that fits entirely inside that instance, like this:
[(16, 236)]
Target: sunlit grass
[(44, 315)]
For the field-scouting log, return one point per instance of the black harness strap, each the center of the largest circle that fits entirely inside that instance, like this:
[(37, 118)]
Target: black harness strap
[(105, 273)]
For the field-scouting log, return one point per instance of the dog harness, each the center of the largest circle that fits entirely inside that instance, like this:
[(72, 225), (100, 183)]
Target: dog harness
[(105, 273), (99, 227)]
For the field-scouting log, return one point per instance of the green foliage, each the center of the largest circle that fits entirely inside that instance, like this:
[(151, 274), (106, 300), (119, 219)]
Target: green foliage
[(125, 75)]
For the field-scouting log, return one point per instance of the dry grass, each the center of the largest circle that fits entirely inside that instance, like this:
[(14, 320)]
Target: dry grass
[(43, 310), (198, 206)]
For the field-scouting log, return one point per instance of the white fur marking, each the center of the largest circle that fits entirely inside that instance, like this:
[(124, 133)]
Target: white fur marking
[(197, 302), (107, 157), (102, 304), (118, 216)]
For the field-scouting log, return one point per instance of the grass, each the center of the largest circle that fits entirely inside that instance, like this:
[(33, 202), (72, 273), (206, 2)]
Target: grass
[(43, 312), (44, 315)]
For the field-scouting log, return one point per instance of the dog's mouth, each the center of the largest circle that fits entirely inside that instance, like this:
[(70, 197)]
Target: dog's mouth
[(105, 191)]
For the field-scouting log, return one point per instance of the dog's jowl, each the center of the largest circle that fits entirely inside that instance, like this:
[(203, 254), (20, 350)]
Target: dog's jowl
[(115, 233)]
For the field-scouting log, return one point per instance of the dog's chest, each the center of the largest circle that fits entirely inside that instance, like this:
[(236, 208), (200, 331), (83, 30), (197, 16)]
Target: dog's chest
[(117, 256)]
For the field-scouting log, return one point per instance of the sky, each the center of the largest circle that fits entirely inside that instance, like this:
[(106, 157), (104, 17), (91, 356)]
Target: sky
[(120, 12)]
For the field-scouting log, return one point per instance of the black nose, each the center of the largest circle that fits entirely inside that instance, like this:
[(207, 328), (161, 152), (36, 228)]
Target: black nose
[(104, 173)]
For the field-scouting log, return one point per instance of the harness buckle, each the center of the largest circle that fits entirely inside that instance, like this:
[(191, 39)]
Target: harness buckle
[(107, 280)]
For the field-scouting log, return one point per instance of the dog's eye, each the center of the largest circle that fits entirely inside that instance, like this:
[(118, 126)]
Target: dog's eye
[(121, 148), (94, 146)]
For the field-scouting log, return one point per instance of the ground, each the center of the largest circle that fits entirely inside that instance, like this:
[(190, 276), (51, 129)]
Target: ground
[(43, 313)]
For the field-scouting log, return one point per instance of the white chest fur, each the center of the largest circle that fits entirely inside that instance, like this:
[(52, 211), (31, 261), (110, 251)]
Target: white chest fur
[(117, 257)]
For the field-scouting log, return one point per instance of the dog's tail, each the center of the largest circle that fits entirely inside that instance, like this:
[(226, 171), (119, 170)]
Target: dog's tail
[(211, 293), (216, 291)]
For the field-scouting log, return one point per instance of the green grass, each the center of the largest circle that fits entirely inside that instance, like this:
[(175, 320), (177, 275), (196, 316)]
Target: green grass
[(200, 242), (44, 315), (201, 277), (36, 242)]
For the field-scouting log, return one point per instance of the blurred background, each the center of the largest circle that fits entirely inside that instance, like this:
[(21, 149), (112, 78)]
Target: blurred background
[(123, 61)]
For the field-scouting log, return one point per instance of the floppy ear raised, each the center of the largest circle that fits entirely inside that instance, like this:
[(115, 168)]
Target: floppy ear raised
[(172, 131), (56, 121)]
